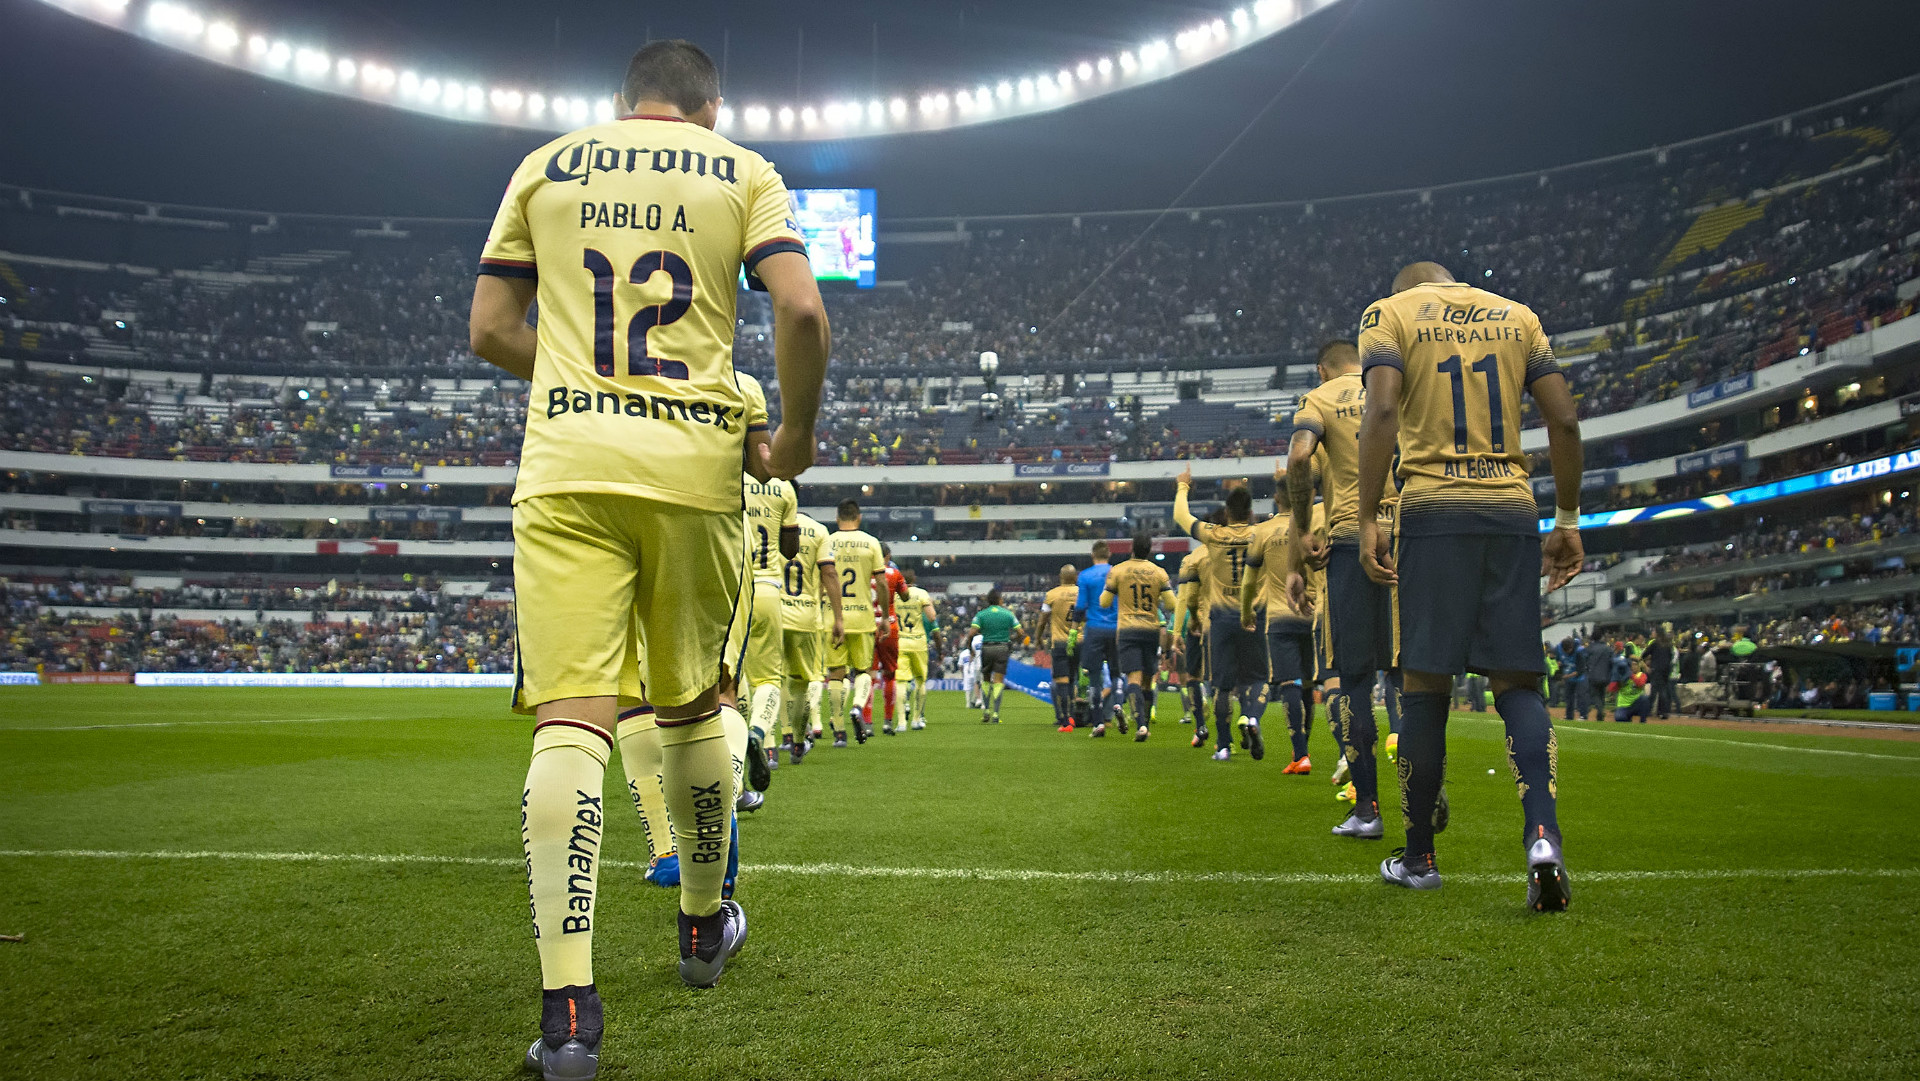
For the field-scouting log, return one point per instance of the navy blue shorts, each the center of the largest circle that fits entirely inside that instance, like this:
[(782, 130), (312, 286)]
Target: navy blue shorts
[(1097, 650), (1196, 650), (1235, 655), (1322, 651), (1289, 650), (1470, 603), (1360, 613), (1139, 651)]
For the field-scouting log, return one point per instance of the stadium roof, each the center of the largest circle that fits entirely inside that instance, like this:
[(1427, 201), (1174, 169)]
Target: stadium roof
[(1362, 95)]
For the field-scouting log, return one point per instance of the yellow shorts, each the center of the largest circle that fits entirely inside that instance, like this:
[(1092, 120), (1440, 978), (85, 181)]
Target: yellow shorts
[(855, 652), (802, 649), (765, 661), (598, 578), (913, 665)]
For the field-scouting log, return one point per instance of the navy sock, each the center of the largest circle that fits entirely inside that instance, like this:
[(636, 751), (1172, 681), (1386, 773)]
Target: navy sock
[(1296, 718), (1253, 701), (1534, 755), (1359, 734), (1333, 721), (1393, 705), (1060, 702), (1137, 696), (1423, 765), (1222, 709)]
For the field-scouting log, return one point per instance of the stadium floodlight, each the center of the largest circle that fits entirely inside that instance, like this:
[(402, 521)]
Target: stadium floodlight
[(726, 116), (756, 116), (786, 116), (989, 362), (808, 116), (603, 110), (178, 24)]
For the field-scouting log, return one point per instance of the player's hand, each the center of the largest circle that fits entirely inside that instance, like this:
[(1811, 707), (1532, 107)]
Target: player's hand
[(1185, 479), (1297, 595), (1376, 558), (839, 630), (787, 454), (1561, 557), (1246, 621), (1314, 549)]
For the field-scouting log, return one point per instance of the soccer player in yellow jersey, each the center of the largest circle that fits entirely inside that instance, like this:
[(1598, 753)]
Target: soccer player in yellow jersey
[(1445, 365), (773, 537), (1266, 604), (1055, 632), (1140, 588), (1359, 612), (1190, 628), (803, 582), (628, 562), (1236, 658), (863, 583), (916, 613)]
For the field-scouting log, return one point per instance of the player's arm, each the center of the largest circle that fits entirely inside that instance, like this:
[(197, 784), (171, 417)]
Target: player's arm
[(1182, 604), (1182, 516), (1562, 554), (830, 588), (801, 340), (497, 329), (790, 526), (1106, 591), (1250, 589), (1379, 434)]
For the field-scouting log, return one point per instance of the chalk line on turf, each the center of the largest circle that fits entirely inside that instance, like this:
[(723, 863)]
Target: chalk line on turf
[(974, 874), (1642, 734)]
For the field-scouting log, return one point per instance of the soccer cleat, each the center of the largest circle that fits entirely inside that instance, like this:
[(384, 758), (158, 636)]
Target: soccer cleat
[(1347, 794), (1547, 887), (1342, 771), (1301, 765), (1099, 730), (1223, 754), (817, 733), (917, 725), (1200, 736), (1240, 725), (1393, 746), (1361, 829), (1250, 739), (861, 730), (1185, 719), (1418, 875), (664, 871), (886, 730), (798, 751), (759, 776), (1141, 735), (706, 944), (986, 718), (1068, 727), (570, 1027), (749, 801), (839, 739)]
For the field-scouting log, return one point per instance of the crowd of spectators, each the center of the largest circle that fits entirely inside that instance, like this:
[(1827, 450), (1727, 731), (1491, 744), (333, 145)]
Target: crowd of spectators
[(1792, 538)]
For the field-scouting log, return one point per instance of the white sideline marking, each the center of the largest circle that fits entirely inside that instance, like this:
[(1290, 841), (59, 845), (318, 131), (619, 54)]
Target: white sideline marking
[(975, 874), (181, 724), (1560, 726)]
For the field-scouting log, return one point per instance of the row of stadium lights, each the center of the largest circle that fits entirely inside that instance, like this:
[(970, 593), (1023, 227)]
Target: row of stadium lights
[(175, 24)]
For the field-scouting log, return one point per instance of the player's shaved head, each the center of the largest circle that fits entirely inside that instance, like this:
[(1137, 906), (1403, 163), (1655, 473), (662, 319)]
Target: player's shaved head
[(1067, 574), (1142, 546), (1420, 274), (848, 513), (677, 72), (993, 597), (1239, 505), (1338, 355)]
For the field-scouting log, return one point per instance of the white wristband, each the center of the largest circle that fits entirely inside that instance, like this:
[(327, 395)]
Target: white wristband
[(1566, 519)]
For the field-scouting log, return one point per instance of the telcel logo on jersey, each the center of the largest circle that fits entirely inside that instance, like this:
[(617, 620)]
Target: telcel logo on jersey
[(1476, 314), (579, 161)]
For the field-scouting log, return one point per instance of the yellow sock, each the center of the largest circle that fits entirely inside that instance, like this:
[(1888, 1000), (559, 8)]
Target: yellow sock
[(700, 792), (735, 727), (862, 690), (766, 711), (836, 702), (561, 821), (640, 757), (796, 708), (816, 691)]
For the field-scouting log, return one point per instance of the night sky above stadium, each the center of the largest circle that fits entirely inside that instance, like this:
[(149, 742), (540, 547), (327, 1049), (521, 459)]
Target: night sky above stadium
[(1398, 93)]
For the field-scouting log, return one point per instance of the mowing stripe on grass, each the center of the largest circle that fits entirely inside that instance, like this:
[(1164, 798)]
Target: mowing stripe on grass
[(1642, 734), (974, 874), (183, 724)]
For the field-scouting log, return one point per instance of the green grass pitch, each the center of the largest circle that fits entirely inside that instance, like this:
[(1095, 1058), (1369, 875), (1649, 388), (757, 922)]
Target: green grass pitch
[(1744, 906)]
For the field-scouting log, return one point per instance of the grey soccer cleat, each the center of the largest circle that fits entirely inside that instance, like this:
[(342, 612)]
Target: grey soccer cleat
[(1547, 887), (759, 775), (1250, 739), (570, 1026), (1223, 754), (798, 751), (1141, 735), (1099, 730), (839, 739), (725, 932), (749, 801), (919, 726), (1361, 829), (1199, 735), (1418, 875)]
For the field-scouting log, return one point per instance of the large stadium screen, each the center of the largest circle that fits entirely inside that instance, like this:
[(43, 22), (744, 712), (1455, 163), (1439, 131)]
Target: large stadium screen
[(837, 225)]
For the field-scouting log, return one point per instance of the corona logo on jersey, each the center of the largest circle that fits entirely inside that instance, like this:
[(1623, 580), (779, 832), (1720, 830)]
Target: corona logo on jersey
[(583, 159)]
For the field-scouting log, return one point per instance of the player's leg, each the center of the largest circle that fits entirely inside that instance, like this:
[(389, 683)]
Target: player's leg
[(1360, 627), (765, 673), (1436, 611), (1062, 682), (1224, 676), (694, 602), (1255, 672), (1390, 695), (641, 759)]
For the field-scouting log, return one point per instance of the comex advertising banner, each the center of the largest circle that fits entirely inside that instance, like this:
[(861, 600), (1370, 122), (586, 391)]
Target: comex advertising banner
[(1717, 458), (324, 679), (1725, 388), (373, 472), (1062, 469)]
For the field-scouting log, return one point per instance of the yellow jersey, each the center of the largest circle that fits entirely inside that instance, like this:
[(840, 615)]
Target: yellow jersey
[(1465, 355), (801, 601), (1140, 587), (856, 558), (913, 627), (1059, 609), (1332, 412), (1267, 557), (637, 232), (1226, 563), (771, 505), (1192, 595)]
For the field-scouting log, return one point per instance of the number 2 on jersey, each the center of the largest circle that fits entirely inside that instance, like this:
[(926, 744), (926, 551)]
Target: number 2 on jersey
[(640, 360), (1488, 366)]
